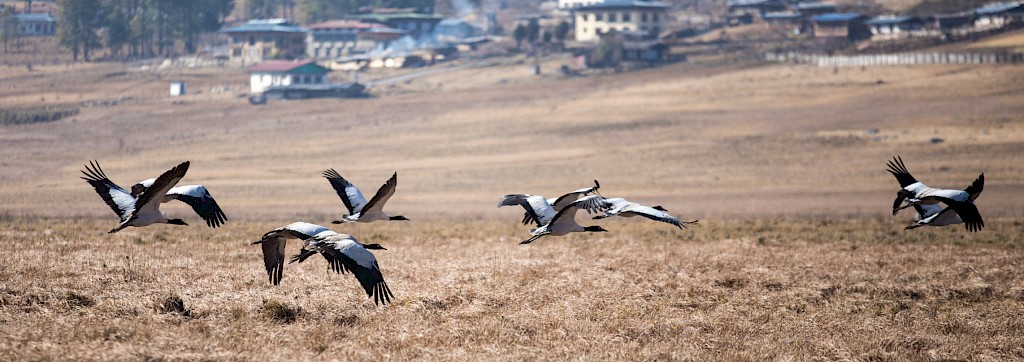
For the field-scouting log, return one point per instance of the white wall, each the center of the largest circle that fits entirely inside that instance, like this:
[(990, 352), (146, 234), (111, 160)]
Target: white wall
[(260, 81), (588, 26)]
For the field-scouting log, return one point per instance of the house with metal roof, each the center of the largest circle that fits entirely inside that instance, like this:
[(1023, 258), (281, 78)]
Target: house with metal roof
[(998, 15), (635, 16), (810, 9), (262, 39), (748, 11), (840, 25), (887, 27), (342, 38), (36, 24), (787, 22), (417, 25), (276, 73)]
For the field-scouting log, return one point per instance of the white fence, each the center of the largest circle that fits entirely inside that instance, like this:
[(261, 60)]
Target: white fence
[(866, 60)]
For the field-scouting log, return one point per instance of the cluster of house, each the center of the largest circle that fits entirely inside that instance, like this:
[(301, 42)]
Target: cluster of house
[(262, 39), (823, 20), (346, 44)]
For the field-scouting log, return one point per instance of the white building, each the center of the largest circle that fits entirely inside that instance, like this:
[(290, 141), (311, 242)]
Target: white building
[(633, 16), (280, 73), (36, 24)]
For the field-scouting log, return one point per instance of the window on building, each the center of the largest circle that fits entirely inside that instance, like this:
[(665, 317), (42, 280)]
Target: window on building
[(583, 17), (654, 17), (611, 17), (598, 17), (296, 79), (643, 17), (625, 17), (252, 40)]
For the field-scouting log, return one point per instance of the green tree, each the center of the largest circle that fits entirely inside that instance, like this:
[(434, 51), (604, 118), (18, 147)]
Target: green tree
[(532, 30), (519, 33), (546, 38), (609, 49), (312, 11), (8, 25), (562, 31), (261, 9), (119, 16), (77, 29), (189, 18)]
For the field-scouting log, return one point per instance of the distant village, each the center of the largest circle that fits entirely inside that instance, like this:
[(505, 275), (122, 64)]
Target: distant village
[(291, 60)]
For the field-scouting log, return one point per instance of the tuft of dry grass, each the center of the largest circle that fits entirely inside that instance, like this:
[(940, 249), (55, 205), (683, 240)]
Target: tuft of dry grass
[(783, 288), (278, 311), (172, 303)]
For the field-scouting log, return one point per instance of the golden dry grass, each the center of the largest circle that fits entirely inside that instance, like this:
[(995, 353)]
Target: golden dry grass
[(752, 290), (795, 258)]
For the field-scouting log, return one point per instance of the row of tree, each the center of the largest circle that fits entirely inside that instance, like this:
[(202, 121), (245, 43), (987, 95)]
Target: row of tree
[(531, 33), (137, 28)]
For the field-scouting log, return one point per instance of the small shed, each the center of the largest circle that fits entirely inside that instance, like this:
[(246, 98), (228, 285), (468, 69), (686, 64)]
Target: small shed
[(789, 22), (846, 25), (178, 88), (285, 73)]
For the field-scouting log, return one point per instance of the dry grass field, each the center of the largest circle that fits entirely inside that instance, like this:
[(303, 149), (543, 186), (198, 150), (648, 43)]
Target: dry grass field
[(795, 257)]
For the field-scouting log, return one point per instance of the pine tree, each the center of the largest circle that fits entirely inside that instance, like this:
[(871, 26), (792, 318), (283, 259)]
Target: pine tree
[(77, 28)]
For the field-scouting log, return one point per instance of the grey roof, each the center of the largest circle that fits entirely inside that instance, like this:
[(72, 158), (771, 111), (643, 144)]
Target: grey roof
[(998, 8), (624, 4), (746, 2), (35, 18), (815, 6), (452, 22), (771, 16), (891, 19), (265, 25), (834, 17)]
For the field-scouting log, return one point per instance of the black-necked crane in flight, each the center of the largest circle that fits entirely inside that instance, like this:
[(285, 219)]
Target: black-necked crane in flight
[(273, 243), (359, 210), (916, 193), (625, 208), (196, 196), (564, 222), (143, 208), (344, 253), (540, 210)]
